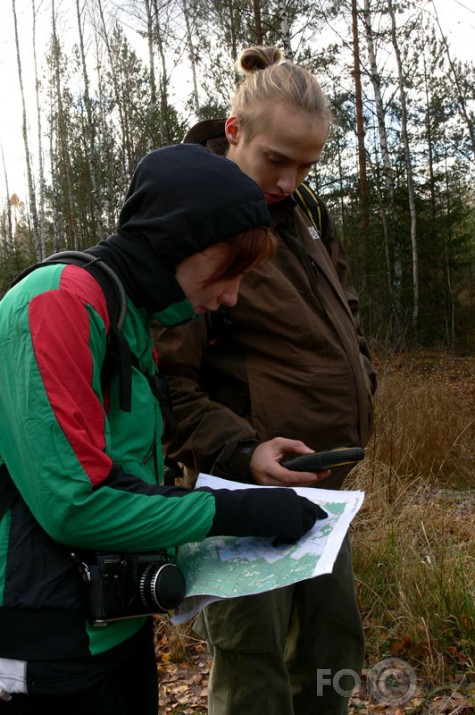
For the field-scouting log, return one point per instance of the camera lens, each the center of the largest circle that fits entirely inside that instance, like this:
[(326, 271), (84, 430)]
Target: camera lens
[(162, 587)]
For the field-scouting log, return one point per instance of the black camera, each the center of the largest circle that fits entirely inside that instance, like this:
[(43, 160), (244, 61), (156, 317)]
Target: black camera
[(119, 586)]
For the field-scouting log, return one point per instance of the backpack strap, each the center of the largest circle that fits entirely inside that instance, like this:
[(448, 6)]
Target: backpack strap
[(112, 287), (161, 391), (310, 203), (118, 355)]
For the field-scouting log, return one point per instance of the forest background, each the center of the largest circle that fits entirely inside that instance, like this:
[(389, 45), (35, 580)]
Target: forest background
[(102, 82), (117, 78)]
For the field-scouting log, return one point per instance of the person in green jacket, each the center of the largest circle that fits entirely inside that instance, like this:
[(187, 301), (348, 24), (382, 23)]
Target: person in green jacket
[(88, 471)]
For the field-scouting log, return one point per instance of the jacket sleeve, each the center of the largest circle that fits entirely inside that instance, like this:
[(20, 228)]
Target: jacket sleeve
[(64, 451), (339, 258), (209, 437)]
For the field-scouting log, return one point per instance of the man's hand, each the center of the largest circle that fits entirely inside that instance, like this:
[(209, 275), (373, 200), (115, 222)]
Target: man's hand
[(267, 471)]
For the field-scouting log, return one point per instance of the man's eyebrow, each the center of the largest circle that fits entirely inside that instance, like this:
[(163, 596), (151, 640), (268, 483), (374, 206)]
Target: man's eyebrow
[(277, 153), (280, 155)]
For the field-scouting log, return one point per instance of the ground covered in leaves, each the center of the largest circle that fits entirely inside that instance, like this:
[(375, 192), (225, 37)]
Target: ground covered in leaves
[(184, 688)]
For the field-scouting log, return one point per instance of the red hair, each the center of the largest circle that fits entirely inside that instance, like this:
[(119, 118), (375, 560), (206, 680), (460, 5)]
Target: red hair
[(245, 250)]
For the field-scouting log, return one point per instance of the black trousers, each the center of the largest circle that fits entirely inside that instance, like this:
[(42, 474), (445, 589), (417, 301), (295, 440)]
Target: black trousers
[(131, 689)]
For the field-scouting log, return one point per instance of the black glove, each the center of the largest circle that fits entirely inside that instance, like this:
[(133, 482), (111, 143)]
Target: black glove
[(279, 512)]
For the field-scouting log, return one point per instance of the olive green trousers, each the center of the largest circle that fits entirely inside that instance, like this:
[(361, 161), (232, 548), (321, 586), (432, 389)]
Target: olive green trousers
[(297, 650)]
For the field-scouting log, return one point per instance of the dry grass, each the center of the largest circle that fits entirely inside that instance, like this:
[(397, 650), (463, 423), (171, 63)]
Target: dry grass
[(425, 421), (414, 542)]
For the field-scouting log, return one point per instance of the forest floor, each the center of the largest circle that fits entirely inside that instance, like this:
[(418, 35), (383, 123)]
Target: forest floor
[(184, 691), (182, 660)]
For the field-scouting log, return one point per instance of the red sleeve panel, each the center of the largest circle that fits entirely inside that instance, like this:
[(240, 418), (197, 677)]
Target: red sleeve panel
[(60, 324)]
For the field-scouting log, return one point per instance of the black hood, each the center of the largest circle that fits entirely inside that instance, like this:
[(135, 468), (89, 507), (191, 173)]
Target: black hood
[(181, 200)]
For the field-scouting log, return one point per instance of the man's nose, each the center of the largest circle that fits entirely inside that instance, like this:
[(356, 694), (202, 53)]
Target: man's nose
[(287, 181)]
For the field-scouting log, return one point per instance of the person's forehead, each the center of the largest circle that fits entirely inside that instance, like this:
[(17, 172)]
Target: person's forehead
[(292, 143)]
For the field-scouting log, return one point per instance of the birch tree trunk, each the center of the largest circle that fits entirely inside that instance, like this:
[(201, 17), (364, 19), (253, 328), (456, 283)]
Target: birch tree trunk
[(29, 171), (63, 139), (42, 229), (166, 130), (392, 248), (90, 130), (360, 133), (151, 52), (284, 30), (192, 55), (409, 173)]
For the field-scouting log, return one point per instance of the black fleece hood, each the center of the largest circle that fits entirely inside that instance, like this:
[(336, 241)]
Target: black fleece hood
[(181, 200)]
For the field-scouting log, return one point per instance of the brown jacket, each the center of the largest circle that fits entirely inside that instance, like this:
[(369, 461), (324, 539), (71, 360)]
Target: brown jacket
[(289, 361)]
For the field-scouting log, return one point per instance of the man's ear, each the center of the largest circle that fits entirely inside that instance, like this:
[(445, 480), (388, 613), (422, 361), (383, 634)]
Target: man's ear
[(232, 128)]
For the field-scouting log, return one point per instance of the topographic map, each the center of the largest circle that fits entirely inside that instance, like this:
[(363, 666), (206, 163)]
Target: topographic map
[(228, 566)]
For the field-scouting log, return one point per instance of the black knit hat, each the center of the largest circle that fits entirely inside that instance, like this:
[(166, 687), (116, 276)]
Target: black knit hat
[(181, 200)]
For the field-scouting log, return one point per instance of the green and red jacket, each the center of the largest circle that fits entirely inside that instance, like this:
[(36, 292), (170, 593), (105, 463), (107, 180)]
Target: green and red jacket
[(87, 471)]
